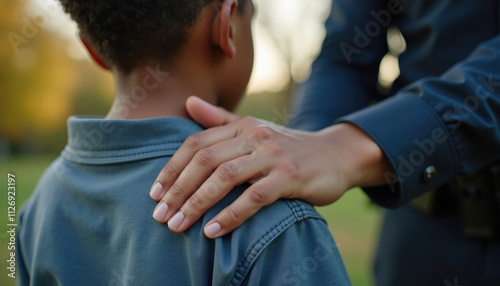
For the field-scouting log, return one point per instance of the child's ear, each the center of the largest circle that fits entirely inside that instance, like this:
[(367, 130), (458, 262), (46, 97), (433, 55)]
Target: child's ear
[(93, 54), (223, 30)]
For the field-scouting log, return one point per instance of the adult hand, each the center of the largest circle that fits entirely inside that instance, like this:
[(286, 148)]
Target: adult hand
[(317, 167)]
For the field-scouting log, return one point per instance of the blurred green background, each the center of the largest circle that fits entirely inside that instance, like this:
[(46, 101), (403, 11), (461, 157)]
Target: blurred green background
[(46, 76)]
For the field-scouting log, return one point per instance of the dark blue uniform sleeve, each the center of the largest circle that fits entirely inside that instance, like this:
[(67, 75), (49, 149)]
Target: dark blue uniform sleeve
[(438, 128), (344, 76)]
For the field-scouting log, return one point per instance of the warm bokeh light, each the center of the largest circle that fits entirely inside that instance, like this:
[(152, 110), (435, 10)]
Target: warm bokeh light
[(288, 36)]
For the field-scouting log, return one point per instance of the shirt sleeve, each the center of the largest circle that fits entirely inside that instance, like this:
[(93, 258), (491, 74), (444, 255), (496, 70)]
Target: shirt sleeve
[(438, 127), (345, 74), (304, 254)]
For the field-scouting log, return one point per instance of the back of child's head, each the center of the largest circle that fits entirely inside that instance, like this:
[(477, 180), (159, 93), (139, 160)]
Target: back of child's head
[(130, 33)]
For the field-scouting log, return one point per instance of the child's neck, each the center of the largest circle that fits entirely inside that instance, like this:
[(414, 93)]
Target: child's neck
[(150, 92)]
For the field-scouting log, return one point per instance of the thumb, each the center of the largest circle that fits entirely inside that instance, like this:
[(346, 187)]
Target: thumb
[(207, 114)]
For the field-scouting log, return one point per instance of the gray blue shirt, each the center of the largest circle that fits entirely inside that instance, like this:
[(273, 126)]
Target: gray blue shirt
[(89, 221)]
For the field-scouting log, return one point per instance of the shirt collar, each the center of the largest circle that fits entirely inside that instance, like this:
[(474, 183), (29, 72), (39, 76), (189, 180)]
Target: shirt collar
[(94, 140)]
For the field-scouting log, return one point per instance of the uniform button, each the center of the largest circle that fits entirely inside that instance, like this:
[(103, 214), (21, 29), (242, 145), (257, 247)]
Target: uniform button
[(429, 174)]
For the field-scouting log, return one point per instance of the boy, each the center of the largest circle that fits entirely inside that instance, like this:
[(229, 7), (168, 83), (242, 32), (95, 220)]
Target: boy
[(85, 224)]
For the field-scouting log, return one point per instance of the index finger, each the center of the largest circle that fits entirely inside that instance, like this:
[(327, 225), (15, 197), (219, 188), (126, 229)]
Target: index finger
[(208, 115), (257, 196)]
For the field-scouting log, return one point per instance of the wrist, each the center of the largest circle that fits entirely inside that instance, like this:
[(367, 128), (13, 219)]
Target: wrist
[(363, 163)]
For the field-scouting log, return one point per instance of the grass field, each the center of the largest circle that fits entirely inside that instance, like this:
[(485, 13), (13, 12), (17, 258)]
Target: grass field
[(353, 220)]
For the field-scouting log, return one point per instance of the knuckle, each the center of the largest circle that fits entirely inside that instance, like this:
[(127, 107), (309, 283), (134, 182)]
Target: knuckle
[(204, 157), (233, 215), (290, 169), (212, 191), (176, 189), (197, 201), (170, 170), (258, 195), (193, 142), (263, 133), (227, 171)]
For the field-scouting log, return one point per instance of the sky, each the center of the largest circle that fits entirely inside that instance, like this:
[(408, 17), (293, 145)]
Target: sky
[(297, 21)]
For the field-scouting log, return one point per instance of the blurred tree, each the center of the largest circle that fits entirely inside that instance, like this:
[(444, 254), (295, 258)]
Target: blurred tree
[(40, 84), (36, 76)]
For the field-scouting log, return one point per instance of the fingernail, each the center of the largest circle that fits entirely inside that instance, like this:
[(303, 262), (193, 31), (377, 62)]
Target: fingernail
[(213, 230), (176, 221), (161, 212), (156, 191)]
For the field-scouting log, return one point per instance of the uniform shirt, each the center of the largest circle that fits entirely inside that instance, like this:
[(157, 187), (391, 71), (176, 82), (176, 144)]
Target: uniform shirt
[(443, 119), (89, 221)]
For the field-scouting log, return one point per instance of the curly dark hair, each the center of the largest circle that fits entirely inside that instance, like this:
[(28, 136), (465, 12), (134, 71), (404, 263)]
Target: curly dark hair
[(133, 32)]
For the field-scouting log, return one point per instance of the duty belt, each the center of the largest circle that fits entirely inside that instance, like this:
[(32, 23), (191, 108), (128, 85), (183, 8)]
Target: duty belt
[(475, 196)]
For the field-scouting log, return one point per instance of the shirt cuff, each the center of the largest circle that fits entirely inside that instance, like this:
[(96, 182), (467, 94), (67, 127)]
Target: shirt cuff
[(417, 143)]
